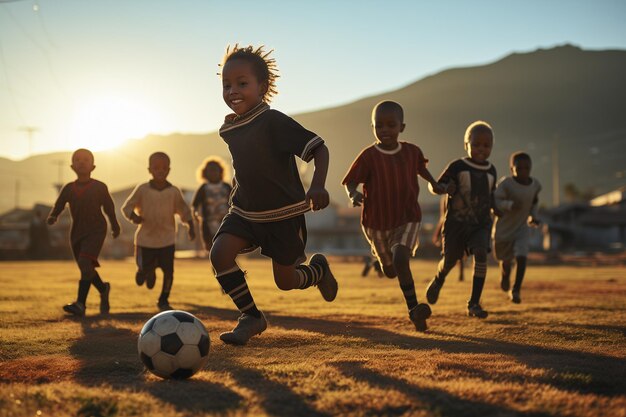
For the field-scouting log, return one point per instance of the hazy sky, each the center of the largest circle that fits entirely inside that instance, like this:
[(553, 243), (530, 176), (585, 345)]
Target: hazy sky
[(93, 73)]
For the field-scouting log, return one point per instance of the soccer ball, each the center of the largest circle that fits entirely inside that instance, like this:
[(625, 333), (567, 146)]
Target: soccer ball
[(174, 344)]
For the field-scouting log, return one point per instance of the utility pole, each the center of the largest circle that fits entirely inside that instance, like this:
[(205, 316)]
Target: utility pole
[(556, 192), (59, 184), (30, 131), (17, 193)]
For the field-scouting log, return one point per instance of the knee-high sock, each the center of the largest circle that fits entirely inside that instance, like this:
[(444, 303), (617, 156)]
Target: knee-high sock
[(83, 291), (234, 284), (97, 282), (168, 280), (408, 290), (443, 268), (478, 281), (309, 274), (519, 273)]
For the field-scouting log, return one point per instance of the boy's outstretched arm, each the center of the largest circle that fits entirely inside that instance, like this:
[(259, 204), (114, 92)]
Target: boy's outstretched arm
[(109, 210), (434, 186), (59, 206), (356, 197), (317, 197)]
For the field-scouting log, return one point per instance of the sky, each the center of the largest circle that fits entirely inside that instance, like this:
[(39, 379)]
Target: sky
[(87, 73)]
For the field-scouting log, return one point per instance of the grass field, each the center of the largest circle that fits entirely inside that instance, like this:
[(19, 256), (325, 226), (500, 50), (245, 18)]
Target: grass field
[(562, 352)]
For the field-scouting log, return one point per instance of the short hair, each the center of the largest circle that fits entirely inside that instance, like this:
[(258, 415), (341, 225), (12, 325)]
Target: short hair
[(87, 151), (158, 155), (519, 156), (201, 172), (263, 66), (388, 105), (478, 126)]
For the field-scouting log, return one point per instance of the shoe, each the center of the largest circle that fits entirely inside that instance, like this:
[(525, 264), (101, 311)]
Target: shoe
[(164, 305), (418, 316), (328, 284), (505, 283), (75, 308), (514, 296), (432, 292), (366, 268), (104, 299), (140, 278), (150, 279), (247, 327), (475, 310)]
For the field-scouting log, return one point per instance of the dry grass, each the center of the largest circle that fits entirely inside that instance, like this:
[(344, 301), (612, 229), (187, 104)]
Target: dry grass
[(562, 352)]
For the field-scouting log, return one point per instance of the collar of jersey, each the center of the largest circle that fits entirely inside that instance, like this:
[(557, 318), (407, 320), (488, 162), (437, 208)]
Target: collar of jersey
[(391, 152), (475, 165), (232, 121)]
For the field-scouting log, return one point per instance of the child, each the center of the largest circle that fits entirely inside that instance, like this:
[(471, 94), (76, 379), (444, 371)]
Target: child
[(268, 199), (516, 199), (467, 222), (391, 215), (87, 198), (210, 203), (152, 205)]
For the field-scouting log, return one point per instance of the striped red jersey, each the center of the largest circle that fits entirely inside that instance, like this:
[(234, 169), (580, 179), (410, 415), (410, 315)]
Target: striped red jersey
[(390, 185)]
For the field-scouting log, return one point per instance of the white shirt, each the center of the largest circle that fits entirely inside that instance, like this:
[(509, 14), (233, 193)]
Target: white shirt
[(157, 208)]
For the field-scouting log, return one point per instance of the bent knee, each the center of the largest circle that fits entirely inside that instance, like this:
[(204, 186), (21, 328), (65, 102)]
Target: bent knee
[(284, 283), (390, 271)]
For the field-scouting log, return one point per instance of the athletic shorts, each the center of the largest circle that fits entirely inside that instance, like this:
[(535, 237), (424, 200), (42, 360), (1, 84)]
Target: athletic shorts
[(283, 241), (88, 246), (383, 242), (149, 259), (458, 239), (508, 250)]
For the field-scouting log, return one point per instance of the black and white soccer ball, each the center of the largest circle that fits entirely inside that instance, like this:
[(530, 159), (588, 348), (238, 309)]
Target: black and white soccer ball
[(174, 344)]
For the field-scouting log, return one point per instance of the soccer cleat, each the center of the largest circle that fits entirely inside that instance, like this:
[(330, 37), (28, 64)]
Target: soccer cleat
[(164, 305), (150, 279), (104, 299), (505, 283), (140, 278), (475, 310), (328, 284), (432, 292), (75, 308), (514, 296), (247, 327), (418, 316)]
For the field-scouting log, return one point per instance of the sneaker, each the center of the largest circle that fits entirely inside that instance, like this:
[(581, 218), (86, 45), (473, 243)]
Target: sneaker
[(475, 310), (418, 316), (104, 299), (75, 308), (150, 279), (432, 292), (140, 278), (505, 283), (514, 296), (366, 268), (164, 305), (247, 327), (328, 284)]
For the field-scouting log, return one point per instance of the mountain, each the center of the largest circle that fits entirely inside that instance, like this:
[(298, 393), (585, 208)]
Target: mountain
[(564, 98)]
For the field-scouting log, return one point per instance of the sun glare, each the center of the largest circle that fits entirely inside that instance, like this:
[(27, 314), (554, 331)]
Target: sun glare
[(107, 121)]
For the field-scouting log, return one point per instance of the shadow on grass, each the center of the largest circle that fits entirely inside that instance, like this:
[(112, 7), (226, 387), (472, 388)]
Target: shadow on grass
[(438, 402), (564, 369), (108, 355)]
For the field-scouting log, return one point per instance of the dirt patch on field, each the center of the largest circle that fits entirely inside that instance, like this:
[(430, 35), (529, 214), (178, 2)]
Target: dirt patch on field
[(40, 369)]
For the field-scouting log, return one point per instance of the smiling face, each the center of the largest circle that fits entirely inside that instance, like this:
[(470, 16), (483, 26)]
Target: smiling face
[(387, 125), (241, 89), (82, 163), (479, 146), (159, 169)]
